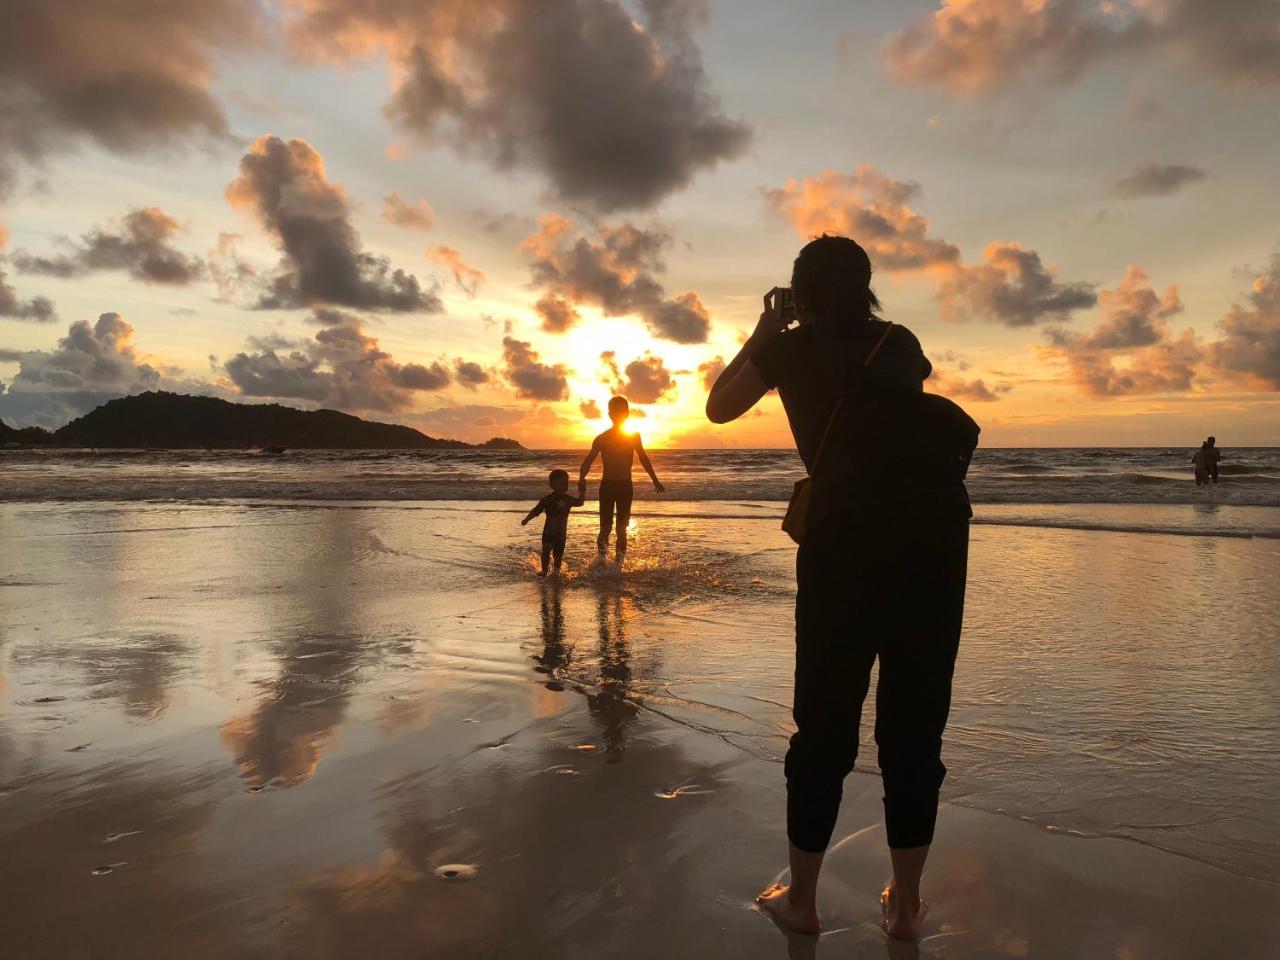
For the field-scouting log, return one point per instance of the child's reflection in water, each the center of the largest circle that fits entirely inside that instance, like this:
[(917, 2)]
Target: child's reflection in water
[(555, 655)]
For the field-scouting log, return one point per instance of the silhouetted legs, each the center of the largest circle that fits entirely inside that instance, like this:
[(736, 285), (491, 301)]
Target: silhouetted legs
[(615, 500), (893, 589), (552, 550)]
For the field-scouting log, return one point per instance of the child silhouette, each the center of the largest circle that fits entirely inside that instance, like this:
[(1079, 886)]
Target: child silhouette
[(556, 506), (618, 446)]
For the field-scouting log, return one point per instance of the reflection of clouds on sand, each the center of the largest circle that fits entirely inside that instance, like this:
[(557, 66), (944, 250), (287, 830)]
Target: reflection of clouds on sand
[(318, 656), (279, 743), (555, 655)]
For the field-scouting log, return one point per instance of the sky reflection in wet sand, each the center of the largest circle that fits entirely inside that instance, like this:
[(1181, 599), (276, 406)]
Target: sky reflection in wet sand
[(276, 728)]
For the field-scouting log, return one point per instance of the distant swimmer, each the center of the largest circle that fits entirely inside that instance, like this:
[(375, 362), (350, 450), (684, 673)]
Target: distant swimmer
[(1214, 454), (617, 445), (1205, 461), (555, 529), (1200, 461)]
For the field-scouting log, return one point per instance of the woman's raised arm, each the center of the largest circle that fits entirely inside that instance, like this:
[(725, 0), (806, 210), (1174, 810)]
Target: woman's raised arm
[(739, 386)]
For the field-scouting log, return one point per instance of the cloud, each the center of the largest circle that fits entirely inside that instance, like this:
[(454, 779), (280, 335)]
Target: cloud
[(470, 374), (230, 273), (988, 47), (590, 410), (615, 272), (557, 314), (129, 75), (1250, 346), (869, 206), (1013, 287), (324, 261), (37, 309), (975, 391), (709, 372), (467, 418), (96, 358), (342, 367), (414, 216), (467, 277), (139, 244), (533, 379), (1133, 350), (1157, 180), (643, 380), (1135, 314), (615, 114)]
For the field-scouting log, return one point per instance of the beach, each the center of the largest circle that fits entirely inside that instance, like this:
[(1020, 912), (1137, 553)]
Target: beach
[(327, 728)]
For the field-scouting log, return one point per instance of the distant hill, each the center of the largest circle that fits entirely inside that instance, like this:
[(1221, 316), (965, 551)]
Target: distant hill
[(23, 436), (176, 421)]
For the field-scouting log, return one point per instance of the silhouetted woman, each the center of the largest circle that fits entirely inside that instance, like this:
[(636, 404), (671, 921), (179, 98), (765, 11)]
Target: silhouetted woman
[(881, 567)]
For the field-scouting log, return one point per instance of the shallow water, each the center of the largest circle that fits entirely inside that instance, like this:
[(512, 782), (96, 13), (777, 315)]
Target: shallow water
[(1109, 684)]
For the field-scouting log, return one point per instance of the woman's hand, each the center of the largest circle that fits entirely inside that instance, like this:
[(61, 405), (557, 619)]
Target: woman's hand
[(771, 321)]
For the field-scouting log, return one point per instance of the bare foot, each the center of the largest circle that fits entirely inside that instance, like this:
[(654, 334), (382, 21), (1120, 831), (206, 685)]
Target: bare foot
[(900, 921), (776, 903)]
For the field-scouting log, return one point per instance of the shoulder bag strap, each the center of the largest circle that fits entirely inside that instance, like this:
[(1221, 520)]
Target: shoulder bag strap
[(826, 432)]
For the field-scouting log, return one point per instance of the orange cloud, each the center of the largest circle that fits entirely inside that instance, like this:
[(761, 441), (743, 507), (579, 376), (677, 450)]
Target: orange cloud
[(467, 277), (1250, 346), (982, 47), (1133, 350), (869, 206), (417, 215), (615, 270), (1012, 287)]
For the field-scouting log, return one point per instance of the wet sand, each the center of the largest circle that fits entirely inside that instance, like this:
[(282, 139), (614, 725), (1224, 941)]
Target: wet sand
[(229, 731)]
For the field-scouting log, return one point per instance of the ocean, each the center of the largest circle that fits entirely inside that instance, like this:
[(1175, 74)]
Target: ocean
[(1133, 489)]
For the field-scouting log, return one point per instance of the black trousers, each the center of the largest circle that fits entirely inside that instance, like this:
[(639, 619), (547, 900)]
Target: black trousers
[(891, 588)]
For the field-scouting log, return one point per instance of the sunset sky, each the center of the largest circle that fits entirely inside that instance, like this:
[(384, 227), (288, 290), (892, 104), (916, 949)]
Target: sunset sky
[(485, 217)]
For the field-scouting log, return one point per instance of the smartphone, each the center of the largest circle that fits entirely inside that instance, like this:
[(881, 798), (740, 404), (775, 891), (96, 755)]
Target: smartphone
[(786, 304)]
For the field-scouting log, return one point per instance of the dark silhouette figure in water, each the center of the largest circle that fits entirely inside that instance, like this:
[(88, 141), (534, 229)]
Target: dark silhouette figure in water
[(555, 529), (610, 704), (617, 445), (882, 564), (555, 655), (1206, 460)]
